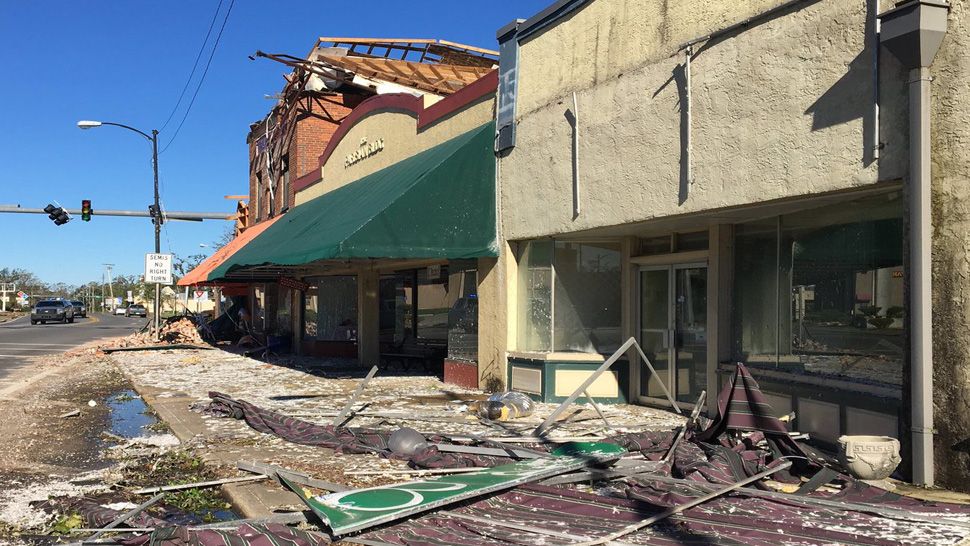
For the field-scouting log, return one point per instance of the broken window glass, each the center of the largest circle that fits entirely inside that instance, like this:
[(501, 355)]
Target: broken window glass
[(535, 296), (284, 310), (310, 328), (569, 297), (463, 311), (337, 308), (434, 302), (587, 297)]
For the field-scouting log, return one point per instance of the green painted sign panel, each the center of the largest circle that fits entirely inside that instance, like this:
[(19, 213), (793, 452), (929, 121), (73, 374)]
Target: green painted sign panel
[(350, 511)]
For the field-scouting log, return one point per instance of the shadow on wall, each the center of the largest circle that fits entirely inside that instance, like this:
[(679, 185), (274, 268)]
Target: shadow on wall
[(852, 96)]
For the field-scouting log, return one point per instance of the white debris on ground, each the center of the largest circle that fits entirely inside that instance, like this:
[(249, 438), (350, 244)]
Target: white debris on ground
[(17, 496), (421, 402)]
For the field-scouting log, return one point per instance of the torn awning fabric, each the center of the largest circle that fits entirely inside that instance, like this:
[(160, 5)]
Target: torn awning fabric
[(741, 406), (349, 440), (731, 520)]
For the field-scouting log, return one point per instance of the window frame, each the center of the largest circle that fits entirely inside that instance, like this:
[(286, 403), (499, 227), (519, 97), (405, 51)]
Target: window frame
[(553, 280)]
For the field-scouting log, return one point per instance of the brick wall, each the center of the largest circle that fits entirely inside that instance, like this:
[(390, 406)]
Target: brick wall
[(311, 125), (316, 123)]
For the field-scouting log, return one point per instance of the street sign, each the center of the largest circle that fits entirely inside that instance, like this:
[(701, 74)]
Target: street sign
[(201, 295), (349, 511), (158, 268)]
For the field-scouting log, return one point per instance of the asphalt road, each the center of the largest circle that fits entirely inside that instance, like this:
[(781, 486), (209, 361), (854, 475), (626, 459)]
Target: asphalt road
[(19, 340)]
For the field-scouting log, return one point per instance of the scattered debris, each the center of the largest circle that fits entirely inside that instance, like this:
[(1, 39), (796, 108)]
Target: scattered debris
[(72, 413), (503, 406), (181, 332), (719, 494)]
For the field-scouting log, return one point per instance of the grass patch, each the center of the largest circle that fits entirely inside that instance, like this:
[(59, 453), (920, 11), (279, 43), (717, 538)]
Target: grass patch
[(177, 468), (201, 502)]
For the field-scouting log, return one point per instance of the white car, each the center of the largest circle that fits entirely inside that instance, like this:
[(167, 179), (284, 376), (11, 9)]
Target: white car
[(119, 310)]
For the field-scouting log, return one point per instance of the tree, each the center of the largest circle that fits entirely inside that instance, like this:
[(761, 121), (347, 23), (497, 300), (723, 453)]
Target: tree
[(182, 266), (227, 235)]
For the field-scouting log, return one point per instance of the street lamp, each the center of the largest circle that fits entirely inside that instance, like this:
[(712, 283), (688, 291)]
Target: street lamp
[(157, 218)]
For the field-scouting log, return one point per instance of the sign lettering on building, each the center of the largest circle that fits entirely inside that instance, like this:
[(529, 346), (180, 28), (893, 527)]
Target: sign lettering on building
[(158, 268), (295, 284), (364, 151)]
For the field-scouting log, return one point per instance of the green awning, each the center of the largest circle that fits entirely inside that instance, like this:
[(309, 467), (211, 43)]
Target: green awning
[(439, 203)]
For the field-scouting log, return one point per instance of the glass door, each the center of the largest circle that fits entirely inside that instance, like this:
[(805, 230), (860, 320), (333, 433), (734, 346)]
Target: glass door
[(690, 332), (655, 325), (673, 330)]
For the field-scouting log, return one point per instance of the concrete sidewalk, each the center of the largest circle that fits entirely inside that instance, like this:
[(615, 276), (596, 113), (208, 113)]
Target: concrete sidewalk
[(176, 383)]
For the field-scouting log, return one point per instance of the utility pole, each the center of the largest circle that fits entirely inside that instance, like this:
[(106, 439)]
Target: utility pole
[(158, 230)]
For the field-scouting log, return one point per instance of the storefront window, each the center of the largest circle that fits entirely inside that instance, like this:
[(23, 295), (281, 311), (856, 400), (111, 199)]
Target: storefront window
[(822, 290), (259, 309), (535, 296), (463, 312), (570, 298), (310, 306), (586, 304), (397, 307), (336, 312), (433, 303), (284, 310)]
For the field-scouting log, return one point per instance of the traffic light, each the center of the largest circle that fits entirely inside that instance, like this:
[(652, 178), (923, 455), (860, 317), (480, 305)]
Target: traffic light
[(57, 214), (154, 213), (86, 210)]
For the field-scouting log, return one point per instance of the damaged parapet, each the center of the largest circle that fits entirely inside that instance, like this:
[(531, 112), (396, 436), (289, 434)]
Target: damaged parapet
[(913, 32)]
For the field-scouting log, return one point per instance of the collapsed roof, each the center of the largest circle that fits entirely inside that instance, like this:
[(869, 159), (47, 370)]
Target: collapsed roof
[(374, 66)]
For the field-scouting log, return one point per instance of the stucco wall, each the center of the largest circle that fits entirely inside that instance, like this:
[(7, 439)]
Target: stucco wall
[(781, 108), (951, 250), (402, 139)]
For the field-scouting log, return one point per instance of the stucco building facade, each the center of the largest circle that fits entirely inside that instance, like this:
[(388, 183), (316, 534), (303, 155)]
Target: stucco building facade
[(730, 182)]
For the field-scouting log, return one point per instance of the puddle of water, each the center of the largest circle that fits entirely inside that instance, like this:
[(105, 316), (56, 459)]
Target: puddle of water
[(128, 414), (200, 517)]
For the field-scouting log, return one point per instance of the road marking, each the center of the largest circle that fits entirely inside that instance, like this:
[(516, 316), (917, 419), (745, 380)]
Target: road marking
[(29, 349)]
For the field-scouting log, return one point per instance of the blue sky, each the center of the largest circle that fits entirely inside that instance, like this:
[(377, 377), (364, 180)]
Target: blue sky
[(126, 61)]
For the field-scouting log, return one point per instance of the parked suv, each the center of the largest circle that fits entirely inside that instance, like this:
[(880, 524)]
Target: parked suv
[(136, 310), (51, 310), (80, 310)]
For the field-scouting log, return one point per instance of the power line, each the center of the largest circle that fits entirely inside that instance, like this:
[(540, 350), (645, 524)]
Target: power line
[(195, 65), (215, 46)]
